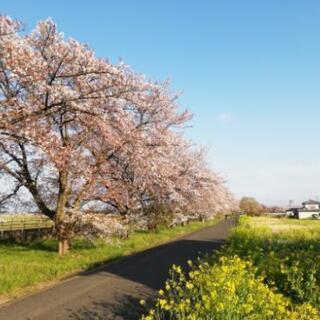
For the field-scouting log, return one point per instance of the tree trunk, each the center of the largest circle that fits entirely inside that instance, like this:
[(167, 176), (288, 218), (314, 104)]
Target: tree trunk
[(61, 227), (63, 235), (64, 245)]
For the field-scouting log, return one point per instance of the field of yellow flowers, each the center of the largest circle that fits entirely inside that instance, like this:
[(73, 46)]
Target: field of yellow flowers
[(269, 269)]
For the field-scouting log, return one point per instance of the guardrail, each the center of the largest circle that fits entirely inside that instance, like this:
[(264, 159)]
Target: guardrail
[(21, 227), (25, 224)]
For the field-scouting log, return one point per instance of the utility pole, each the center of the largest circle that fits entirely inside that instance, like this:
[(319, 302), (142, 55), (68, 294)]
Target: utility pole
[(290, 203)]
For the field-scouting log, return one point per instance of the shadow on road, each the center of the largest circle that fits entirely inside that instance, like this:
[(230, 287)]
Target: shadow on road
[(150, 269), (125, 306)]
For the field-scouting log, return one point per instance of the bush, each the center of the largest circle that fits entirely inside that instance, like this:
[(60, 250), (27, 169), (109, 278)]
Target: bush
[(251, 206), (226, 290), (157, 215), (287, 259)]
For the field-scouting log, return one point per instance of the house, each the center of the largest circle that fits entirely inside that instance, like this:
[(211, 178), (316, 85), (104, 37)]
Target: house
[(309, 210)]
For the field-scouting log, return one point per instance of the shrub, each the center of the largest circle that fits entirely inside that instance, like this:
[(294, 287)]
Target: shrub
[(251, 206), (157, 215), (225, 290)]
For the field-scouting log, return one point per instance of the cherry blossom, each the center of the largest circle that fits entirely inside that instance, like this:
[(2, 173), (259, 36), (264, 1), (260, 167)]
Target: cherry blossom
[(76, 130)]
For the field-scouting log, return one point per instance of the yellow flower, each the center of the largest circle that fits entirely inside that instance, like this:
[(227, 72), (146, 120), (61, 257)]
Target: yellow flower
[(142, 302), (178, 269), (162, 302), (220, 307), (189, 285)]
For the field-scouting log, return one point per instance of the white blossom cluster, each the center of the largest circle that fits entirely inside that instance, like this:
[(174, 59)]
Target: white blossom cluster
[(76, 129)]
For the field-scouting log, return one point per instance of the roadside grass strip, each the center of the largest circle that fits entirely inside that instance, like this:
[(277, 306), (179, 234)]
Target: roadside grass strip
[(31, 263)]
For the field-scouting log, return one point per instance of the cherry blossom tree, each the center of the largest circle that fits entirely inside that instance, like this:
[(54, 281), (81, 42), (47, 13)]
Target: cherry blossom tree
[(76, 129)]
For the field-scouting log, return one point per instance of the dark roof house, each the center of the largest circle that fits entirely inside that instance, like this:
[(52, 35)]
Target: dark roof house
[(310, 209)]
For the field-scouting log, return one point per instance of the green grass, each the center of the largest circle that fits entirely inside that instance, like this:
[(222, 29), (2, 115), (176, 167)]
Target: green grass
[(286, 224), (24, 265)]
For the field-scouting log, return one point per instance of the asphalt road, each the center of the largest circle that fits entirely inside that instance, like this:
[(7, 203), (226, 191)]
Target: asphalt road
[(114, 291)]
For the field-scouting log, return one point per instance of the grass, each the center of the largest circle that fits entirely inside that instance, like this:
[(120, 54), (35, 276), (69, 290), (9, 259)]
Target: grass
[(286, 224), (28, 264)]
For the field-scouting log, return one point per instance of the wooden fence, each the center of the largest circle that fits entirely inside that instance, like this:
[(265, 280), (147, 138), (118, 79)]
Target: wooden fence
[(23, 228)]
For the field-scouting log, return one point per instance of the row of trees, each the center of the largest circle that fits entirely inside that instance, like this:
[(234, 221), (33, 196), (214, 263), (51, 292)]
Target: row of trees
[(77, 131), (251, 206)]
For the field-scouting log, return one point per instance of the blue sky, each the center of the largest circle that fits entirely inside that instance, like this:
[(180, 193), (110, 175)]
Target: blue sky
[(249, 70)]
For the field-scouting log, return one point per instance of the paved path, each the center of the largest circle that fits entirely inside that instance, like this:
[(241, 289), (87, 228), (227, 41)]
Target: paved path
[(114, 291)]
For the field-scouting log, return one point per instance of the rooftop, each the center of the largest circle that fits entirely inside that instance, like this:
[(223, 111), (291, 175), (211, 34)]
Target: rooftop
[(311, 202)]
